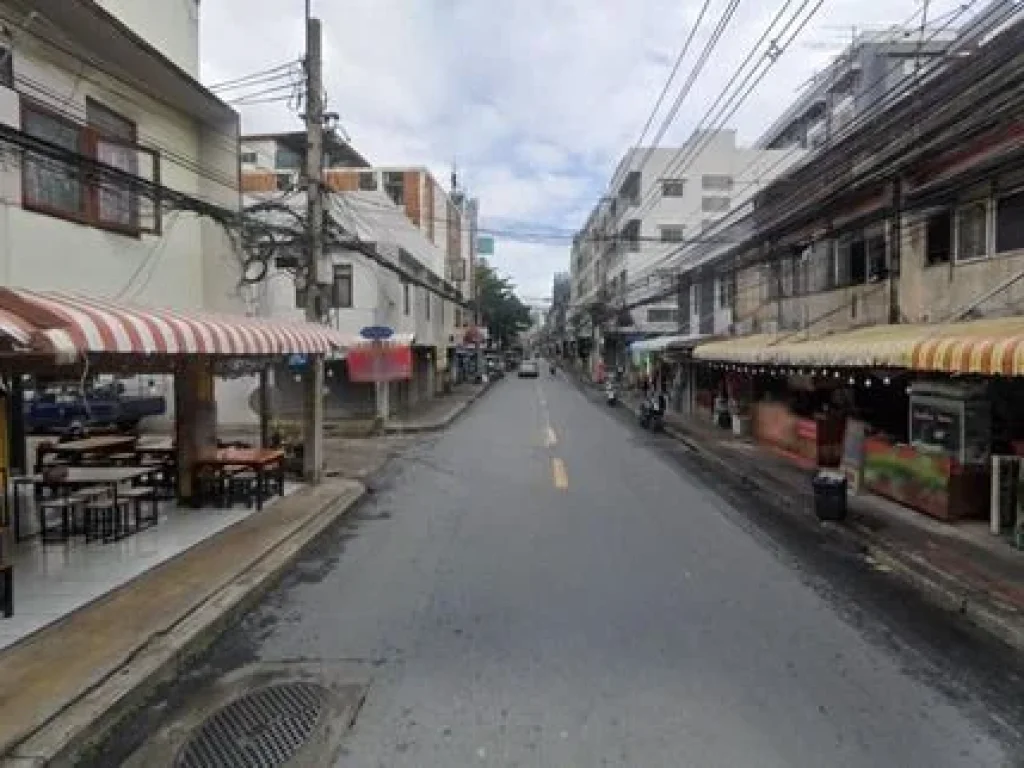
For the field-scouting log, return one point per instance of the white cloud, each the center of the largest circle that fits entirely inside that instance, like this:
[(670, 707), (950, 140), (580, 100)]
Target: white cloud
[(535, 99)]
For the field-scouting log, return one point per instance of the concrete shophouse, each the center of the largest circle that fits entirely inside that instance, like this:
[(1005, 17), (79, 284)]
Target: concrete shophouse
[(660, 199), (879, 289), (121, 209), (386, 273)]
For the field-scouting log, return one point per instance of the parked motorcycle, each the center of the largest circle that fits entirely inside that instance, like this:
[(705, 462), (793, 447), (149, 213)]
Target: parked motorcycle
[(651, 415), (610, 395)]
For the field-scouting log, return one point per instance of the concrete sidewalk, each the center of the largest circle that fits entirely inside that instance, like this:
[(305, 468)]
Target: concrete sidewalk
[(65, 687), (961, 567), (438, 413)]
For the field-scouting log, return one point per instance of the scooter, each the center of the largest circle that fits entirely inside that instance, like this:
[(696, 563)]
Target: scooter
[(650, 415)]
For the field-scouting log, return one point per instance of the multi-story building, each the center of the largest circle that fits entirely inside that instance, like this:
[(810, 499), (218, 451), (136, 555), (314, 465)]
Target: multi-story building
[(78, 77), (871, 72), (406, 219), (628, 253)]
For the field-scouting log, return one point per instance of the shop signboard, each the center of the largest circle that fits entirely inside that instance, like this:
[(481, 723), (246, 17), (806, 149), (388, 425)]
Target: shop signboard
[(852, 462), (376, 360)]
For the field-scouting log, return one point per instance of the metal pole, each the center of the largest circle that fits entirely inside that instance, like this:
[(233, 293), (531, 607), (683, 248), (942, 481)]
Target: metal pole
[(313, 410)]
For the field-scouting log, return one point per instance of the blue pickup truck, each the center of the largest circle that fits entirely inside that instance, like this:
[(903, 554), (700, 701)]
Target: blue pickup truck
[(48, 412)]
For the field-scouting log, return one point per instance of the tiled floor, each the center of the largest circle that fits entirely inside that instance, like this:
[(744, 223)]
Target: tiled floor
[(51, 580)]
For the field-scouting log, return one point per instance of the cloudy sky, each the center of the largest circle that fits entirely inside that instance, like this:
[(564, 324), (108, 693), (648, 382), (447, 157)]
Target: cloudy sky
[(535, 100)]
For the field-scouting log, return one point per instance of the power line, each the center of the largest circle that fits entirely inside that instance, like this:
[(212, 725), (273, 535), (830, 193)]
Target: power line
[(672, 74), (867, 114), (234, 82)]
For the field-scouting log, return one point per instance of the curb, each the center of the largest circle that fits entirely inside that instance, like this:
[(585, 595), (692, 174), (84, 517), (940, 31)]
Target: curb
[(444, 423), (85, 722)]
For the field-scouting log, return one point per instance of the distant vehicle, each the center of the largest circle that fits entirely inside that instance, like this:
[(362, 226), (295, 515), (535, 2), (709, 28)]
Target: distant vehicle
[(50, 411), (528, 369), (494, 367)]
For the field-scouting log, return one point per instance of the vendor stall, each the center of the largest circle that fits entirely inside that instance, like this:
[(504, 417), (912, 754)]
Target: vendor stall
[(944, 470)]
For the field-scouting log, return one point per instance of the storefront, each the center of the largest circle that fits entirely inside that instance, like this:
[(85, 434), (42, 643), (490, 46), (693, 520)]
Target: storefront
[(97, 483)]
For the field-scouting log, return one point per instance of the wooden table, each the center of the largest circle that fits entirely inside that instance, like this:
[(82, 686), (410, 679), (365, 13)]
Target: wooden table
[(74, 450), (260, 460), (83, 477)]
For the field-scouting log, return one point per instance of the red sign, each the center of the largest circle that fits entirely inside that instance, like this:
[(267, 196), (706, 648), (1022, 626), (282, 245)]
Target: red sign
[(380, 362)]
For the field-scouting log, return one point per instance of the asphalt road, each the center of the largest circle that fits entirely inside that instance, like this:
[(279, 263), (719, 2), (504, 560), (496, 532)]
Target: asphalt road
[(545, 585)]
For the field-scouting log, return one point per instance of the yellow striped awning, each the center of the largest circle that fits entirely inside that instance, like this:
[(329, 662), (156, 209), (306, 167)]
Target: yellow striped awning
[(993, 346)]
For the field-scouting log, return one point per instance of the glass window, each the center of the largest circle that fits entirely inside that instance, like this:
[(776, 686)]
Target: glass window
[(714, 204), (426, 303), (394, 186), (939, 238), (287, 159), (662, 315), (1010, 223), (342, 286), (250, 158), (6, 66), (672, 233), (405, 298), (716, 182), (367, 181), (672, 187), (50, 184), (115, 146), (972, 231)]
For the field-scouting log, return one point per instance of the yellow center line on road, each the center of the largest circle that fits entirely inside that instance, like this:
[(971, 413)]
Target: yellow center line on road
[(559, 475)]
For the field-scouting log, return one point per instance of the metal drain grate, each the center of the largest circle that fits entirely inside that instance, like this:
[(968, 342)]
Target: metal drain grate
[(262, 729)]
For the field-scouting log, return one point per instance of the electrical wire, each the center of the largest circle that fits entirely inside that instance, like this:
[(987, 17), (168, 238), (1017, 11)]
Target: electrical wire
[(675, 69), (860, 120), (865, 117)]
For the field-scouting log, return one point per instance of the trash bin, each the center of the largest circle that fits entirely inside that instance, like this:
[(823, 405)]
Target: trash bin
[(830, 495)]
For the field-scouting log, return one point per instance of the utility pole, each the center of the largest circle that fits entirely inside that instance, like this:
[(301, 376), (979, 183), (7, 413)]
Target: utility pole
[(313, 397)]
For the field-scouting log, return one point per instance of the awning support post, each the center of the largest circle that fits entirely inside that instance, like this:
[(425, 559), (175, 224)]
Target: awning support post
[(264, 406), (313, 421)]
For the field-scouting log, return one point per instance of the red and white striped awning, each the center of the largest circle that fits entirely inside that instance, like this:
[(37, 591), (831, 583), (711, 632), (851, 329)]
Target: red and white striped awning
[(68, 324)]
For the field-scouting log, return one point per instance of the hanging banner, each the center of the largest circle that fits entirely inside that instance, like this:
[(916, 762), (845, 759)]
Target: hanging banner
[(379, 362)]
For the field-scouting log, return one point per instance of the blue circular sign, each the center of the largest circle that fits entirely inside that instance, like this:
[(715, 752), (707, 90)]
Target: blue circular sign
[(377, 332)]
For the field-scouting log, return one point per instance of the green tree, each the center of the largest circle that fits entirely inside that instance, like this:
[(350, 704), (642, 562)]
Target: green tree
[(504, 315)]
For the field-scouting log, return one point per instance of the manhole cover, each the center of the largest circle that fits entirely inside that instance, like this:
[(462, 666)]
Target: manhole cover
[(262, 729)]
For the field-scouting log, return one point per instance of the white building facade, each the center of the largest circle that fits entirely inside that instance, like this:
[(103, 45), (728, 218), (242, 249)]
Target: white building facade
[(627, 259), (85, 81)]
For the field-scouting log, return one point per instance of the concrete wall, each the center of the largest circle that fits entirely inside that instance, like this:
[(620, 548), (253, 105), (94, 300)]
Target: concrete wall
[(170, 26), (934, 293), (190, 265)]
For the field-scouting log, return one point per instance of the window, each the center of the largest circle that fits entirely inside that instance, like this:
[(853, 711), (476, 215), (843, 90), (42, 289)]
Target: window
[(6, 66), (714, 182), (714, 204), (672, 187), (671, 234), (972, 231), (659, 315), (394, 186), (249, 158), (287, 159), (426, 303), (726, 290), (939, 238), (342, 294), (48, 185), (115, 145), (367, 181), (60, 187), (1010, 222), (405, 298)]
